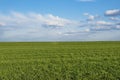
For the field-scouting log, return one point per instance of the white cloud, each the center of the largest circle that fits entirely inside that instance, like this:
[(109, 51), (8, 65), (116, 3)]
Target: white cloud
[(2, 24), (87, 30), (57, 21), (104, 23), (19, 26), (101, 25), (16, 18), (98, 23), (41, 27), (118, 26), (114, 12), (114, 18), (91, 17)]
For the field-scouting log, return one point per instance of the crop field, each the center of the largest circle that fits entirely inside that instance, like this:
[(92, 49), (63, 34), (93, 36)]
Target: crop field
[(60, 60)]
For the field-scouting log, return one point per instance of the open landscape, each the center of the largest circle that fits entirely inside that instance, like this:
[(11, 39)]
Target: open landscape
[(60, 60), (59, 39)]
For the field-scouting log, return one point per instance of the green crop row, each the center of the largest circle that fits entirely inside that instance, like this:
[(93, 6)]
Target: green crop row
[(60, 60)]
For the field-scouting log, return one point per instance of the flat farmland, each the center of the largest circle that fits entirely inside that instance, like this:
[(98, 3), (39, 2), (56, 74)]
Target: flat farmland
[(60, 60)]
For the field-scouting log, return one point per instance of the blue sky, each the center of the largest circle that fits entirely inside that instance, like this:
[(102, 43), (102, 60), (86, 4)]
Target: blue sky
[(59, 20)]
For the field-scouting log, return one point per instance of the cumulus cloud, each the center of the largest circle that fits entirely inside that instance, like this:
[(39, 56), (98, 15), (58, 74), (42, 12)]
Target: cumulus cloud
[(104, 23), (2, 24), (91, 17), (98, 23), (16, 18), (20, 26), (105, 26), (17, 26), (114, 18), (114, 12)]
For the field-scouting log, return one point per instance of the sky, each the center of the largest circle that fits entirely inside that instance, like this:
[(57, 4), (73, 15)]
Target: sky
[(59, 20)]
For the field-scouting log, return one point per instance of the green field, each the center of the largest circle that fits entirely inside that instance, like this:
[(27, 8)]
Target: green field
[(60, 61)]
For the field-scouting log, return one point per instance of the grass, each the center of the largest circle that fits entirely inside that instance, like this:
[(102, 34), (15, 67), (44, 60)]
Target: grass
[(60, 61)]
